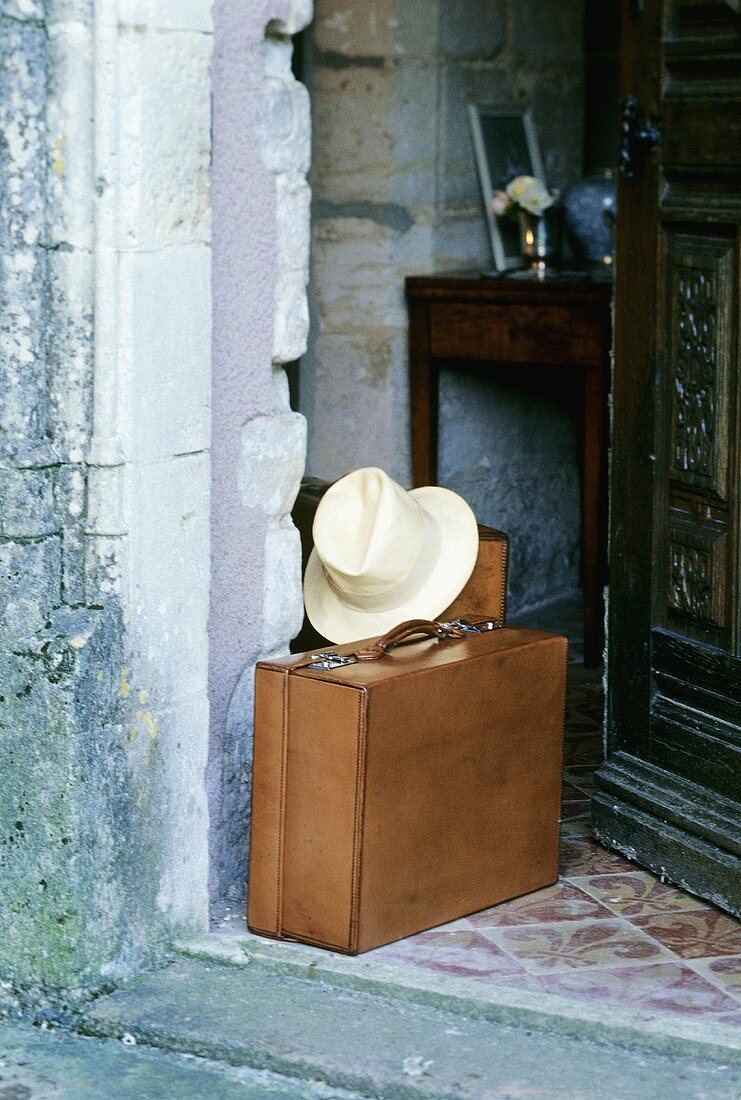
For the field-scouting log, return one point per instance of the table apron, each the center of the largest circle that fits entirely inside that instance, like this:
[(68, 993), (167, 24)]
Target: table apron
[(547, 334)]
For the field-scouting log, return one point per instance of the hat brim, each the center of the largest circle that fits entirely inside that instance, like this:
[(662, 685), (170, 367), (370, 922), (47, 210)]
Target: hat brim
[(459, 547)]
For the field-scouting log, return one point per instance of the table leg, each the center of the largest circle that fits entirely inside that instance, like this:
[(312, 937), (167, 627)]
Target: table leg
[(594, 511), (423, 396)]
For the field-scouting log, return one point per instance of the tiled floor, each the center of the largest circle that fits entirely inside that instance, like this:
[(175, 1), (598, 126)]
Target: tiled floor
[(608, 930)]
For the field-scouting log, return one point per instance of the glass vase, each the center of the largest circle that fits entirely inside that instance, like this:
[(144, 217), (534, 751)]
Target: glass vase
[(540, 238)]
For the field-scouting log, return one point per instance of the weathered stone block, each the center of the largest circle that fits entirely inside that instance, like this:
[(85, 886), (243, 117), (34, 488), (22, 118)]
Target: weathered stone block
[(560, 127), (169, 561), (70, 136), (490, 85), (358, 427), (354, 134), (30, 584), (271, 462), (70, 352), (22, 9), (23, 381), (106, 500), (23, 75), (291, 326), (79, 874), (472, 28), (182, 15), (418, 28), (26, 503), (285, 116), (280, 389), (104, 568), (416, 137), (463, 241), (70, 497), (296, 16), (283, 606), (518, 471), (292, 205), (165, 153), (67, 11), (352, 260), (548, 32), (178, 752), (167, 296), (365, 30)]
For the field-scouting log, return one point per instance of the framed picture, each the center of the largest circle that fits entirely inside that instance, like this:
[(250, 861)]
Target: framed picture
[(506, 145)]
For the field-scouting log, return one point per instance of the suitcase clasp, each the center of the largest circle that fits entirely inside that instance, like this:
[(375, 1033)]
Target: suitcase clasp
[(473, 628), (330, 660)]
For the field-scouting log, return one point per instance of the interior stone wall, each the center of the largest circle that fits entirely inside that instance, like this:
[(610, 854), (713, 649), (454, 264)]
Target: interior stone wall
[(396, 193)]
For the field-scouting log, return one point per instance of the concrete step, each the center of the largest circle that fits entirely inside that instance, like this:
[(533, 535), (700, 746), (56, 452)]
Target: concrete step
[(54, 1065), (699, 1034), (364, 1043)]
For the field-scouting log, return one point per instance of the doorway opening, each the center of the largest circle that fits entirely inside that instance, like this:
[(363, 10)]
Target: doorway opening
[(396, 194)]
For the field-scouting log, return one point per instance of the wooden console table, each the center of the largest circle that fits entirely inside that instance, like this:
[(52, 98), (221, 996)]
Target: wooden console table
[(563, 324)]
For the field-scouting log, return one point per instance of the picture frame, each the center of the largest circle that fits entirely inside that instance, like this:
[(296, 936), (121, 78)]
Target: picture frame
[(505, 144)]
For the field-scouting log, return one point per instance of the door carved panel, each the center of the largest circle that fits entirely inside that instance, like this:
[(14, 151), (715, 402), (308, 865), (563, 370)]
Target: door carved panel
[(700, 323)]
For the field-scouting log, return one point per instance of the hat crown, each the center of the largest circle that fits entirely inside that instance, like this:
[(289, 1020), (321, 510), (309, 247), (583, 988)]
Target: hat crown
[(368, 532)]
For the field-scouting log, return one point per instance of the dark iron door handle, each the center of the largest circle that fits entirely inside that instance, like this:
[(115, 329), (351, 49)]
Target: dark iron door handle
[(639, 135)]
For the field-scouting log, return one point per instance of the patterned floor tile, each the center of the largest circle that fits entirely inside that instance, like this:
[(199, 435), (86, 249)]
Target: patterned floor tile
[(463, 953), (584, 704), (576, 827), (584, 856), (556, 903), (724, 972), (637, 894), (554, 947), (583, 749), (580, 725), (664, 986), (569, 793), (580, 808), (730, 1019), (582, 779), (692, 935)]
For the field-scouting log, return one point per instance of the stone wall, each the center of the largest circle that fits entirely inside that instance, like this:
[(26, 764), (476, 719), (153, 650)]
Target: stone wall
[(396, 193), (261, 255), (104, 475)]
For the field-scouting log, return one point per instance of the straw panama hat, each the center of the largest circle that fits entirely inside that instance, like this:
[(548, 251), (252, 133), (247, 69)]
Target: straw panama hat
[(382, 555)]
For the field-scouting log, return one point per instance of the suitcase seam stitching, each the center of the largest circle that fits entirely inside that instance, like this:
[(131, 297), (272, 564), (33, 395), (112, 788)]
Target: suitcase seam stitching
[(357, 830), (503, 587), (281, 809), (563, 747)]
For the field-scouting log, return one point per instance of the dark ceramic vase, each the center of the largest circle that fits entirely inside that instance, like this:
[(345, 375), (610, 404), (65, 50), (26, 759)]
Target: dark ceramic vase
[(590, 208)]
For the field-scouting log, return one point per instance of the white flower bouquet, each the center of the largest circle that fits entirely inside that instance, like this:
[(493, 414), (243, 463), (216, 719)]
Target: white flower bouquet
[(523, 193)]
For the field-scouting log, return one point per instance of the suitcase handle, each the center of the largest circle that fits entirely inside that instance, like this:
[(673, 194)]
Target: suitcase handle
[(428, 628)]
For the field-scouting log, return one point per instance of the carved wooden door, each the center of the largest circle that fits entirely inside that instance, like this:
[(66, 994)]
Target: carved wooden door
[(670, 792)]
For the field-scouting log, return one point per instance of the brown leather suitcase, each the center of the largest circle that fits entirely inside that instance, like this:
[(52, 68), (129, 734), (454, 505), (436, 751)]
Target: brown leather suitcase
[(405, 789), (485, 593)]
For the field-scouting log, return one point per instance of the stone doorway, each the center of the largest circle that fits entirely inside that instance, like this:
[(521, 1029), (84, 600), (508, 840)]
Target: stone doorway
[(395, 193)]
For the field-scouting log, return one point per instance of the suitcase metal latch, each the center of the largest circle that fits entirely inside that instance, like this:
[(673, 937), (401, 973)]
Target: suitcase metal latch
[(330, 660), (473, 628)]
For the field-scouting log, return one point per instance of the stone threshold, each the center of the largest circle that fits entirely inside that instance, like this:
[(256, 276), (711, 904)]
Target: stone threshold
[(604, 1022)]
